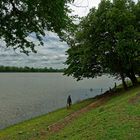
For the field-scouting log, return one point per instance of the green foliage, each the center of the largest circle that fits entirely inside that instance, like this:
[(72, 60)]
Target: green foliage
[(107, 41), (20, 18)]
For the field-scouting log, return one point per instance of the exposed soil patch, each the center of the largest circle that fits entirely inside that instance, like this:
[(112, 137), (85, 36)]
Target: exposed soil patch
[(100, 100), (135, 99), (65, 121)]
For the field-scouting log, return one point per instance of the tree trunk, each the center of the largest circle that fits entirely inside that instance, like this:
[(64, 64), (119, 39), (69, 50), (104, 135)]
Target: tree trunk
[(133, 78), (123, 81)]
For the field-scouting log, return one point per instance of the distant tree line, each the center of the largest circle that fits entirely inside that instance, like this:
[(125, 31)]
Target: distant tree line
[(28, 69)]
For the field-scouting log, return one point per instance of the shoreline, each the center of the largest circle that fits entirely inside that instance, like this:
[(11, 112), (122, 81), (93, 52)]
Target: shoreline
[(42, 115), (70, 121), (106, 93)]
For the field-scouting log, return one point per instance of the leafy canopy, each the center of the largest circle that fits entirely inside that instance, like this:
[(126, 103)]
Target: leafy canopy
[(106, 41), (20, 18)]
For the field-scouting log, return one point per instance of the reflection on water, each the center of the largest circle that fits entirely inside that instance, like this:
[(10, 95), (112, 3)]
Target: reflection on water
[(26, 95)]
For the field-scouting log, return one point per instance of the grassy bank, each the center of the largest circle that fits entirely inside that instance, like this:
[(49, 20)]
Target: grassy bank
[(35, 127), (118, 118)]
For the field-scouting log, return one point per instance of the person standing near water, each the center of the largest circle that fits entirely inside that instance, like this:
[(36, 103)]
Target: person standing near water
[(69, 102)]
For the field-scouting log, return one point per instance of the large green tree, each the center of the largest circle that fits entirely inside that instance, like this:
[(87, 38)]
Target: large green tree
[(107, 41), (20, 18)]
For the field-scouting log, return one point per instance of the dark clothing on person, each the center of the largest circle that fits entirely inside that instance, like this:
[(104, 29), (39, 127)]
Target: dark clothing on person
[(69, 101)]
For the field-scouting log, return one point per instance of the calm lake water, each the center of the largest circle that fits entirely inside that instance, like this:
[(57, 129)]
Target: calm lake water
[(26, 95)]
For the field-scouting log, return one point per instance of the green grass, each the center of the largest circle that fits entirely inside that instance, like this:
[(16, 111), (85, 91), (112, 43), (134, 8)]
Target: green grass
[(117, 119), (32, 128)]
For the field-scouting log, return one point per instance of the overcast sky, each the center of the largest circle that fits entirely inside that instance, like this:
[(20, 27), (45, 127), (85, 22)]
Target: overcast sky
[(81, 7), (52, 54)]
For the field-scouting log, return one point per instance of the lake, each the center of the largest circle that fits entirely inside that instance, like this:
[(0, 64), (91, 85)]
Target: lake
[(27, 95)]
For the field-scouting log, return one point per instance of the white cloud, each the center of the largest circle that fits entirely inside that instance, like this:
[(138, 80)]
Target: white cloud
[(82, 7), (52, 54)]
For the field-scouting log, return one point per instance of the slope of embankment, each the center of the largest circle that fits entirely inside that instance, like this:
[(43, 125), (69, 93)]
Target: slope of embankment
[(112, 116)]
